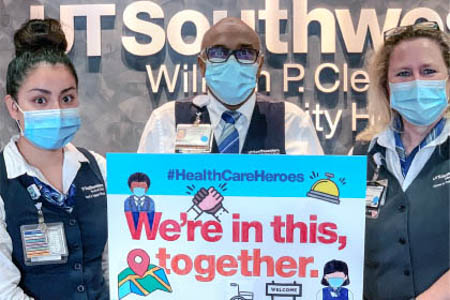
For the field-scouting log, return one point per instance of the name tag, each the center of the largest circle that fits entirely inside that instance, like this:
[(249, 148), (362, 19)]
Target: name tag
[(44, 244), (193, 138), (375, 197)]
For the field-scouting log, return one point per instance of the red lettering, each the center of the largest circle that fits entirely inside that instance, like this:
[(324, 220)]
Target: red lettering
[(205, 266), (208, 270), (312, 228), (143, 221), (167, 227), (227, 261), (302, 265), (244, 259), (342, 242), (277, 225), (187, 264), (291, 226), (212, 231), (257, 260), (162, 257), (191, 229), (246, 226), (236, 230), (327, 230), (286, 262)]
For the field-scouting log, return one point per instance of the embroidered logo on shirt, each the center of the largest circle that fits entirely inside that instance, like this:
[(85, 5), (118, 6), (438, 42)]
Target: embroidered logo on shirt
[(264, 151), (441, 180), (94, 191)]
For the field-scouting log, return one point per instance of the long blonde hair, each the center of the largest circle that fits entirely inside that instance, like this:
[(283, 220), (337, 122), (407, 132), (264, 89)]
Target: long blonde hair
[(380, 113)]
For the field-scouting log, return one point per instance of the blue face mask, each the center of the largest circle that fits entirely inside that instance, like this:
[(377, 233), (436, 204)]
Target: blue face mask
[(51, 129), (138, 191), (231, 82), (335, 282), (420, 102)]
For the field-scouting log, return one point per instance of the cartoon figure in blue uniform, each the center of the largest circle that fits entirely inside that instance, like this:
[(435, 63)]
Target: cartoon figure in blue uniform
[(139, 202), (335, 277)]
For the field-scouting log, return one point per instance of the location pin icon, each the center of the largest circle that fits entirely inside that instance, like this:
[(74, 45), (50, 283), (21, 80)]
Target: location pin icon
[(141, 267)]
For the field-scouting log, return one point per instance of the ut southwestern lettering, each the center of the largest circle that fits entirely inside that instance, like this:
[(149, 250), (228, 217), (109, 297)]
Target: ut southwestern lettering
[(229, 175)]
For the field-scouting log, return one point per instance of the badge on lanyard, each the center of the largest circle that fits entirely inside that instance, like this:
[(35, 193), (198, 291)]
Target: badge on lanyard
[(43, 243), (193, 138), (375, 194), (375, 197)]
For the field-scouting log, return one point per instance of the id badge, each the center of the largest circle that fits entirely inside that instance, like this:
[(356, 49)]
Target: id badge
[(44, 244), (193, 138), (375, 197)]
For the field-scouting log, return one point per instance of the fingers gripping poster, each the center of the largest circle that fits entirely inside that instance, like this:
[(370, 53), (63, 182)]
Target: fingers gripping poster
[(235, 227)]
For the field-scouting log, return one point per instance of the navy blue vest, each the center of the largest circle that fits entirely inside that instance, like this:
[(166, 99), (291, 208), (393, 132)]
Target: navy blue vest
[(266, 130), (407, 246), (86, 233)]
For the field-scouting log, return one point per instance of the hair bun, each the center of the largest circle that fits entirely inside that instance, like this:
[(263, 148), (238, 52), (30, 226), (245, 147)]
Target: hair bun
[(36, 35)]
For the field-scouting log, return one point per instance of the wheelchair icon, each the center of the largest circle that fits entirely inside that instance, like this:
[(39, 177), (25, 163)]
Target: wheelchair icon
[(242, 295)]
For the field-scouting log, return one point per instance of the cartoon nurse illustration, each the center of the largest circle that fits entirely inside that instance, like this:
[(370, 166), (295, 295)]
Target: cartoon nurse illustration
[(335, 277)]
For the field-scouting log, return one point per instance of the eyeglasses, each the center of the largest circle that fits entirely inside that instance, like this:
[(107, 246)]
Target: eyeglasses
[(219, 54), (429, 25)]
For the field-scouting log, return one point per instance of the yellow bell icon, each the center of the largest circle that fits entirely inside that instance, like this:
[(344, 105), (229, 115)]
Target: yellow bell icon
[(325, 189)]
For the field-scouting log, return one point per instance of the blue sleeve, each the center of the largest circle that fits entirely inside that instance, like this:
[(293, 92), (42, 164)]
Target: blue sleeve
[(151, 204), (127, 204)]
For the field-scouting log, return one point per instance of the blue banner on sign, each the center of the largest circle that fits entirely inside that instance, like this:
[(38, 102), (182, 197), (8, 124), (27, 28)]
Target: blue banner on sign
[(243, 175)]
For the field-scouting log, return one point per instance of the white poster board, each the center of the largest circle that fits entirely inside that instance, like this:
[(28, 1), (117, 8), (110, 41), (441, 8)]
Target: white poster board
[(235, 226)]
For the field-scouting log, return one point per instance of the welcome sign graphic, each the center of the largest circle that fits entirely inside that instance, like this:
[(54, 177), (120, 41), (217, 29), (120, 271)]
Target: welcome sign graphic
[(235, 227)]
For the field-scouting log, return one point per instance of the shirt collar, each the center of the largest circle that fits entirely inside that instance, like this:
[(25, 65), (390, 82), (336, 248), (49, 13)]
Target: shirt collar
[(216, 109), (16, 165), (431, 136), (437, 136)]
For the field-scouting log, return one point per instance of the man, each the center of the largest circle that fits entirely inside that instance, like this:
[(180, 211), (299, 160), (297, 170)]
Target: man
[(241, 120), (139, 183)]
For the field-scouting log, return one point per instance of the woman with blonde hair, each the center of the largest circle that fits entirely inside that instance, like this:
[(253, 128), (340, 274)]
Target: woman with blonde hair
[(407, 228)]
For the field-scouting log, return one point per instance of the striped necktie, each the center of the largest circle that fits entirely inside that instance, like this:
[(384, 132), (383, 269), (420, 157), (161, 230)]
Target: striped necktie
[(229, 140)]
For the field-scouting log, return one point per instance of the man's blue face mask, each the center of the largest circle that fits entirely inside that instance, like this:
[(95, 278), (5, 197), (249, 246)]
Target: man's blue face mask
[(420, 102), (138, 191), (50, 129), (231, 82)]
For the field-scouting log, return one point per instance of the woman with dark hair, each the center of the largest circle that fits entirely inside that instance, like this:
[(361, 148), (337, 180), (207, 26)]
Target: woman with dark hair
[(335, 276), (407, 147), (53, 227)]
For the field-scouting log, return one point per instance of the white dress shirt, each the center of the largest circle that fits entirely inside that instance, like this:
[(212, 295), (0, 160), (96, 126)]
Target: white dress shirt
[(15, 167), (159, 133)]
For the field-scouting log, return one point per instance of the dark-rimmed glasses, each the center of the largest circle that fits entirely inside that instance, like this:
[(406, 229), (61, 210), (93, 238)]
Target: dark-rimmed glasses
[(429, 25), (220, 54)]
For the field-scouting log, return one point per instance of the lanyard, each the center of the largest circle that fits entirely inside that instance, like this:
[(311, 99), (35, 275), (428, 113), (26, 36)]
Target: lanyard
[(42, 243), (35, 194), (198, 116), (378, 161)]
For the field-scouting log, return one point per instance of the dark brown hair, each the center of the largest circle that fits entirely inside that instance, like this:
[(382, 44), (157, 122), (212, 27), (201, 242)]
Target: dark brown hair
[(36, 41)]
